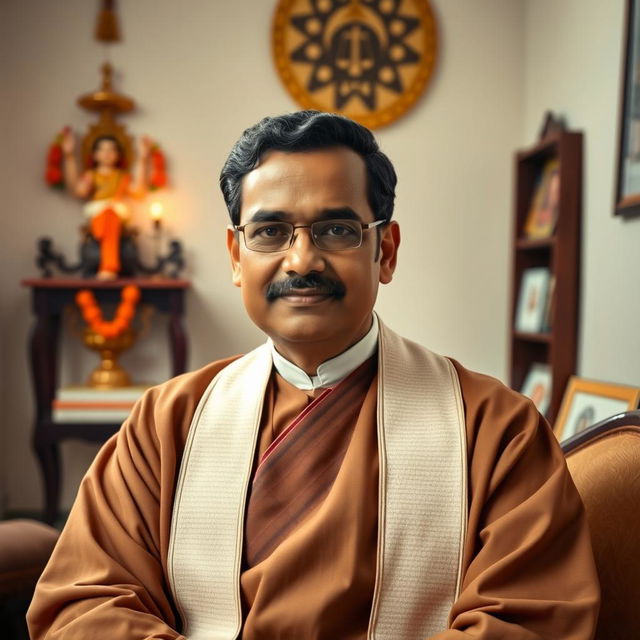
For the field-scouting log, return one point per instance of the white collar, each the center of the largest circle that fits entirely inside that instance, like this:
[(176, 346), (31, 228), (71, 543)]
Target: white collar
[(333, 370)]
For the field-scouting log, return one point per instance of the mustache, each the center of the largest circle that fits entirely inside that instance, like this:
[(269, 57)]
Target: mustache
[(320, 284)]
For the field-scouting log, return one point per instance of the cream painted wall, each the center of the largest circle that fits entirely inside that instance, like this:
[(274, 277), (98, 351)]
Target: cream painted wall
[(201, 72), (572, 65)]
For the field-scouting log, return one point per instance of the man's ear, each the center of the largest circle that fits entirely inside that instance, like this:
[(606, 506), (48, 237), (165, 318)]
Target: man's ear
[(233, 247), (389, 251)]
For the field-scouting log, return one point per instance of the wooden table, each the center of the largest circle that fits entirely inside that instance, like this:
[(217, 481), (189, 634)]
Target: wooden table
[(50, 296)]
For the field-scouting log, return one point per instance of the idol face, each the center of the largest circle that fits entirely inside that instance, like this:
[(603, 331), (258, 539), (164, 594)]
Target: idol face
[(313, 303), (106, 154)]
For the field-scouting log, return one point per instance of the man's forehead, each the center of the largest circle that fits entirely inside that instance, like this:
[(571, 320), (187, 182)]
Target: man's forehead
[(310, 164), (306, 180), (328, 213)]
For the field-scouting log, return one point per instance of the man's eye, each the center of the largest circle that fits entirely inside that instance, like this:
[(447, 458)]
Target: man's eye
[(270, 231), (338, 230)]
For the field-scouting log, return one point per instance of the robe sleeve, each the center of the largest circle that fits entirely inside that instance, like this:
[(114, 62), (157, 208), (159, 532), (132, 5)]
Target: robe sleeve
[(107, 575), (529, 572)]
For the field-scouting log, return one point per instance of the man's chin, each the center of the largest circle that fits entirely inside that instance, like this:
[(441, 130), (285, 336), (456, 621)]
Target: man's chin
[(304, 325)]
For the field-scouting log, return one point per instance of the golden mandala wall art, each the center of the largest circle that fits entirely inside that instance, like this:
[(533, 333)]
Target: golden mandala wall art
[(367, 59)]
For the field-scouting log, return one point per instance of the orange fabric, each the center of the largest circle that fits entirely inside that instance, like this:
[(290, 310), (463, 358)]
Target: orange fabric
[(527, 562), (528, 565), (106, 227), (113, 184)]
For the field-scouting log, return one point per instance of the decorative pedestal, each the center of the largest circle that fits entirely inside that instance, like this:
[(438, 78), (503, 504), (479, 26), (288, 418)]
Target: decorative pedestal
[(50, 296)]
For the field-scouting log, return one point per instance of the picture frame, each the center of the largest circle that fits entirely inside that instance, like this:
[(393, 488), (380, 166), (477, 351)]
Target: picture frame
[(547, 321), (537, 386), (543, 211), (532, 300), (627, 196), (586, 402)]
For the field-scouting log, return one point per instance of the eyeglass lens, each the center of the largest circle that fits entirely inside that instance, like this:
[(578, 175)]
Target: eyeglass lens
[(330, 235)]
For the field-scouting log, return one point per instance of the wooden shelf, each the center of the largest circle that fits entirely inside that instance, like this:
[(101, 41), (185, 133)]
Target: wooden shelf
[(92, 283), (541, 150), (533, 337), (535, 243), (559, 253)]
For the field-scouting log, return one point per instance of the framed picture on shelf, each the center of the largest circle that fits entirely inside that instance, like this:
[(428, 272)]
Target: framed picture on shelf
[(543, 212), (628, 175), (532, 300), (537, 386), (548, 307), (586, 402)]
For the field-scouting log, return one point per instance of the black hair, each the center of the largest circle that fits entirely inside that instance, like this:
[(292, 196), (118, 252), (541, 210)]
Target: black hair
[(308, 131), (100, 139)]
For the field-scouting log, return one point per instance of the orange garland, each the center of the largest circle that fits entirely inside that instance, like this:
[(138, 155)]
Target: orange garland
[(54, 174), (92, 313), (158, 177)]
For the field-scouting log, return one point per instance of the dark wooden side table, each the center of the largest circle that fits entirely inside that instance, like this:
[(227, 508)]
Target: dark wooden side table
[(50, 296)]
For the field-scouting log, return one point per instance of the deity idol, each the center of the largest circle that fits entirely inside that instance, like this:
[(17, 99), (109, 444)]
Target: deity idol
[(106, 185)]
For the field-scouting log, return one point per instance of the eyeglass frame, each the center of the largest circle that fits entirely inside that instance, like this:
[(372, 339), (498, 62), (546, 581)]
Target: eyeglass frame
[(365, 226)]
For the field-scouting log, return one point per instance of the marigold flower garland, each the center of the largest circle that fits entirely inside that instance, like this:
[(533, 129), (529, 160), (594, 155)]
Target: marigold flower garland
[(54, 175), (158, 177), (92, 313)]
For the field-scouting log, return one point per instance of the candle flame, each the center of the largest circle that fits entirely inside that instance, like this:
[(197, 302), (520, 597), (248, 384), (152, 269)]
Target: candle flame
[(157, 211)]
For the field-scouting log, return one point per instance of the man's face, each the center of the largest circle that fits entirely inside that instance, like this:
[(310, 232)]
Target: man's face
[(301, 188)]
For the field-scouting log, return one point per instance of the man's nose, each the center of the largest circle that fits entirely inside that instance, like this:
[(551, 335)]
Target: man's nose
[(303, 256)]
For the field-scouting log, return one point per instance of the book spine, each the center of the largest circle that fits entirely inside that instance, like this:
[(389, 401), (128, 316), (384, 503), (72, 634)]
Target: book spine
[(89, 415), (96, 395), (61, 404)]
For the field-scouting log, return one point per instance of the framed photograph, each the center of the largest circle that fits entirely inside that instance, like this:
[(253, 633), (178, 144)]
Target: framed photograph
[(543, 212), (537, 386), (549, 306), (628, 176), (586, 402), (532, 300)]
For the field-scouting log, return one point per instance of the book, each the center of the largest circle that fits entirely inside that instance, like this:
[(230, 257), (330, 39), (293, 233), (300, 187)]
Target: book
[(543, 211), (62, 404), (77, 404), (78, 393), (90, 415)]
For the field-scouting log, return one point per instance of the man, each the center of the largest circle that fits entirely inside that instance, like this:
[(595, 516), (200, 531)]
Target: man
[(339, 481)]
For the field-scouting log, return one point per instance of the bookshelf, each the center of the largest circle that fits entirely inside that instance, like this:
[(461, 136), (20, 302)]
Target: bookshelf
[(558, 251)]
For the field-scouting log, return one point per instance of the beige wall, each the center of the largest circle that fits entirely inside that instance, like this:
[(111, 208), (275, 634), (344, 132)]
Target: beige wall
[(572, 62), (201, 71)]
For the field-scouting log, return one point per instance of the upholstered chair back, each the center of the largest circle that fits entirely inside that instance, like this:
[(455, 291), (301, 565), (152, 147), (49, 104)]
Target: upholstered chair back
[(604, 462)]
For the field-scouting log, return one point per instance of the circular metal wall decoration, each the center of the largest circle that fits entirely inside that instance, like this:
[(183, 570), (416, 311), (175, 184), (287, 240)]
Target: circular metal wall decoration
[(367, 59)]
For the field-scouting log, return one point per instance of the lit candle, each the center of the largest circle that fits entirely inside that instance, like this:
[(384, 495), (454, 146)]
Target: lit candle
[(157, 211)]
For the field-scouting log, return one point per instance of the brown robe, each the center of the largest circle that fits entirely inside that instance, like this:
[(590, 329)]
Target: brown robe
[(528, 567), (344, 528)]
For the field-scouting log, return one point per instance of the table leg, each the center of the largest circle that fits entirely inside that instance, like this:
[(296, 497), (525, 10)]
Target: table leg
[(177, 336), (49, 458), (178, 342), (43, 349)]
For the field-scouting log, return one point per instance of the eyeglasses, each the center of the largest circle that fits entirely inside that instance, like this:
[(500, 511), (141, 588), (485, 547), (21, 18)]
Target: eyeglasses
[(328, 235)]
